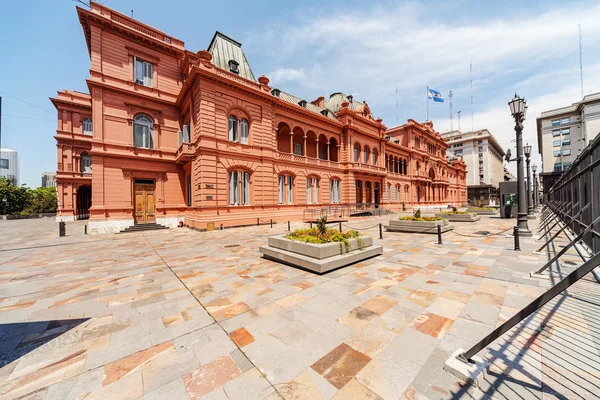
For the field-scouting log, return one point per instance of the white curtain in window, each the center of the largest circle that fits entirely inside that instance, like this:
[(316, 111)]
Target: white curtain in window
[(87, 126), (374, 158), (397, 193), (147, 74), (308, 190), (244, 131), (365, 156), (246, 188), (281, 189), (139, 70), (316, 190), (290, 181), (233, 126), (331, 191), (233, 188), (355, 153), (389, 194), (338, 197), (143, 131)]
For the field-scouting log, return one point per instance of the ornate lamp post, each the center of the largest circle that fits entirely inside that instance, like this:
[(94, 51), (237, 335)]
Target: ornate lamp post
[(518, 109), (535, 187), (527, 151)]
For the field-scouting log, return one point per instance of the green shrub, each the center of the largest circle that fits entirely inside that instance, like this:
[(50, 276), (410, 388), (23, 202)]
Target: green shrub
[(318, 235), (414, 218)]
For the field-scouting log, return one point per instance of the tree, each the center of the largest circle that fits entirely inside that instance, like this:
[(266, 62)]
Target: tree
[(41, 200), (17, 197)]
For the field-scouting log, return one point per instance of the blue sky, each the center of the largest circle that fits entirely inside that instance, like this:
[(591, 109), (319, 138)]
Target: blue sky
[(313, 49)]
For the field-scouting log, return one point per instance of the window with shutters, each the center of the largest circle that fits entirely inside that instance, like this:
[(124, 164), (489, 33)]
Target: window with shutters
[(143, 72), (334, 190), (286, 189), (239, 188)]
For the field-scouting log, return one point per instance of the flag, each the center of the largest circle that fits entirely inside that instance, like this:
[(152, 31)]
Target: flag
[(435, 95)]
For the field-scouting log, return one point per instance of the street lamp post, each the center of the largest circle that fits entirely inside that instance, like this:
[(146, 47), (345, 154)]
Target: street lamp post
[(535, 187), (527, 151), (518, 109)]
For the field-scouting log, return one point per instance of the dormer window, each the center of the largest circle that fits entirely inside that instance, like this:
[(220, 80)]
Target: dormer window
[(324, 112), (302, 103), (276, 92), (365, 113), (234, 66)]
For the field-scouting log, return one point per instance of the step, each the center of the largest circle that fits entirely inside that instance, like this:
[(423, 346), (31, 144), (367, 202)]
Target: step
[(143, 227)]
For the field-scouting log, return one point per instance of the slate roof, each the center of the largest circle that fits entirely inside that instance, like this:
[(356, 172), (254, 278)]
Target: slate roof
[(309, 106), (223, 49)]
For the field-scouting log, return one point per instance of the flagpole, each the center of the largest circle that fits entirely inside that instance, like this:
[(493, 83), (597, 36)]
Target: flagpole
[(427, 103)]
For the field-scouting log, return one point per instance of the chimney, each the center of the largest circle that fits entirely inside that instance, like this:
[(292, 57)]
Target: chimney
[(320, 102)]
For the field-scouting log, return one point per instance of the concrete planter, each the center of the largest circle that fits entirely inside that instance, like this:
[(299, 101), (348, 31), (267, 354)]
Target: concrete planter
[(484, 212), (460, 217), (418, 226), (319, 258)]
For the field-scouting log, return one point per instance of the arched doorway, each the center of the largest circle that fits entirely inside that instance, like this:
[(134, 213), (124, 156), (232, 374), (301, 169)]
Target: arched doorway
[(333, 150), (418, 194), (368, 191), (84, 202), (359, 192), (376, 193)]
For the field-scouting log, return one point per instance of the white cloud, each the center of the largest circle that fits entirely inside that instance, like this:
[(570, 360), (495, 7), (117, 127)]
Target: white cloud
[(287, 74)]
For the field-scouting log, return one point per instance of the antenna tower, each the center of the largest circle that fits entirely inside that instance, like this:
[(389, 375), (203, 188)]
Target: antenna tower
[(471, 77), (450, 97), (458, 112), (580, 61)]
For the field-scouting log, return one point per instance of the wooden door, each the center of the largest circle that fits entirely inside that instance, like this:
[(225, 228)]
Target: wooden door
[(145, 203)]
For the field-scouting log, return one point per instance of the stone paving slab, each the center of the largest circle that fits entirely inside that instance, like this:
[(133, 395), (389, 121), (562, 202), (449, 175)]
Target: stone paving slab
[(180, 314)]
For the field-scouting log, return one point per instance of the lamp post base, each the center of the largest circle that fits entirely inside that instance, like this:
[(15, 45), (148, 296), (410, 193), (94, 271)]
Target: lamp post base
[(525, 233)]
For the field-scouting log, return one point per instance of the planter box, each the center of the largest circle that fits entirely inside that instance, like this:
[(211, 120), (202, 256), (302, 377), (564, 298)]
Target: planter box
[(459, 217), (418, 226), (319, 258), (484, 212)]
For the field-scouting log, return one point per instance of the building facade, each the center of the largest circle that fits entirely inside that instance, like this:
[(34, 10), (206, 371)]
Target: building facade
[(563, 133), (9, 165), (484, 159), (48, 179), (169, 135)]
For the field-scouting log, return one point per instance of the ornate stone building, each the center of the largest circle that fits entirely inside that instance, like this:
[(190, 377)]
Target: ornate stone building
[(169, 135)]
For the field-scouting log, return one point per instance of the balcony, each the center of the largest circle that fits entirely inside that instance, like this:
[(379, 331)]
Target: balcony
[(306, 160), (185, 153), (369, 169)]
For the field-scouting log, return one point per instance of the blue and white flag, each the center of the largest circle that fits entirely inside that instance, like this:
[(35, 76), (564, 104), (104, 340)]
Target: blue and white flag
[(435, 95)]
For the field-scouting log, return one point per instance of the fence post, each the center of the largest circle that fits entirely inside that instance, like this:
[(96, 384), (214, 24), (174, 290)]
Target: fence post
[(516, 235), (311, 225), (258, 221), (380, 231), (340, 226), (439, 233), (289, 226), (62, 228), (221, 226), (271, 223), (85, 231)]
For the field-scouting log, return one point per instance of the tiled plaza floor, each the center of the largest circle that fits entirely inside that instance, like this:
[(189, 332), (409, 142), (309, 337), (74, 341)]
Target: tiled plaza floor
[(182, 314)]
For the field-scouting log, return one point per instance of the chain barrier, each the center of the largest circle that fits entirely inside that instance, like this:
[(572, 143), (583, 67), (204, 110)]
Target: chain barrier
[(356, 229), (489, 234)]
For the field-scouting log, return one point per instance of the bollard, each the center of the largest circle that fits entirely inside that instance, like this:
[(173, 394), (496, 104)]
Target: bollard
[(62, 228), (289, 226), (85, 229), (221, 226), (380, 231), (257, 221), (516, 235), (340, 226), (311, 225), (271, 224), (439, 228)]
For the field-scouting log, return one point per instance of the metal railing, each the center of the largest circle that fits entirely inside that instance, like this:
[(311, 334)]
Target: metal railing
[(571, 205), (343, 211)]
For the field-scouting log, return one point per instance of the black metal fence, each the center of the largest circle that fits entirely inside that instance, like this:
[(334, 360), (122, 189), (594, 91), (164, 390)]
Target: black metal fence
[(577, 187)]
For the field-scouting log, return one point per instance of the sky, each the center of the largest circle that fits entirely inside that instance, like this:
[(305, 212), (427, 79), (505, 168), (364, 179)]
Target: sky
[(383, 52)]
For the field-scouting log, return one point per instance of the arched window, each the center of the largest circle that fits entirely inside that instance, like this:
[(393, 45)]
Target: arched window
[(239, 188), (244, 131), (374, 156), (366, 155), (389, 192), (334, 190), (143, 131), (286, 189), (233, 128), (86, 163), (356, 153), (86, 126)]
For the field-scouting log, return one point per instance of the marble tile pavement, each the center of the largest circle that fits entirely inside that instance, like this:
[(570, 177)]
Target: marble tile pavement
[(181, 314)]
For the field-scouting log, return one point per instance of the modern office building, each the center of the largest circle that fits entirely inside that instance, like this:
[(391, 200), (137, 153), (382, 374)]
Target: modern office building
[(9, 165), (169, 135), (483, 156), (48, 179), (563, 133)]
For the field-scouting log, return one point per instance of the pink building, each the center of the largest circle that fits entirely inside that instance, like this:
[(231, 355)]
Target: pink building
[(169, 135)]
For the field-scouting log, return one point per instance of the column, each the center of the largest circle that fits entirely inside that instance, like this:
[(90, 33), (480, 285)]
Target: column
[(292, 142), (317, 148), (304, 152)]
